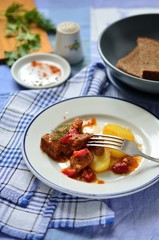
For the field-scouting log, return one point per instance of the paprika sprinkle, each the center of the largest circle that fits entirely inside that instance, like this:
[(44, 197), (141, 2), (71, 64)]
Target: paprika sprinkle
[(41, 73)]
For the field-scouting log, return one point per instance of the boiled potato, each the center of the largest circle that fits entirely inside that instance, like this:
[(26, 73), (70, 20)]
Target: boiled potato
[(120, 131), (101, 163)]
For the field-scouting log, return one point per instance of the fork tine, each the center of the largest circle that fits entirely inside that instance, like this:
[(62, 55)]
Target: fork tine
[(105, 145), (107, 137), (108, 141)]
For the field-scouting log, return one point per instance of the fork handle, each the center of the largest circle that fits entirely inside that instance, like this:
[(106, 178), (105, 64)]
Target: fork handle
[(149, 157)]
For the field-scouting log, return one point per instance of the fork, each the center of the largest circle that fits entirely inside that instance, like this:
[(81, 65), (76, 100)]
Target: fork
[(109, 141)]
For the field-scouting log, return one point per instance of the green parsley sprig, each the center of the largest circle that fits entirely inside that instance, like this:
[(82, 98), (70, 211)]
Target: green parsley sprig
[(19, 21), (61, 131)]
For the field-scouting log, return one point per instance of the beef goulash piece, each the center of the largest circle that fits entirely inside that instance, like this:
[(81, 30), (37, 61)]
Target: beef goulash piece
[(68, 138)]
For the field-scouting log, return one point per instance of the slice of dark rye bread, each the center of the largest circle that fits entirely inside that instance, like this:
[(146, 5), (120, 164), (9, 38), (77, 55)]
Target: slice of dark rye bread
[(130, 63), (149, 58), (143, 60)]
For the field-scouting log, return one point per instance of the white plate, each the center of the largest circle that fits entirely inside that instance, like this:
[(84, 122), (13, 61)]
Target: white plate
[(144, 125), (40, 77)]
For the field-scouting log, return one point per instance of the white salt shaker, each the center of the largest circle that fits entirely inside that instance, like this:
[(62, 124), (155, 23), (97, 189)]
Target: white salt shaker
[(68, 42)]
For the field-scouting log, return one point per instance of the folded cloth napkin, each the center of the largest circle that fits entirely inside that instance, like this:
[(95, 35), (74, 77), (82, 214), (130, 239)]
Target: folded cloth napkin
[(29, 207)]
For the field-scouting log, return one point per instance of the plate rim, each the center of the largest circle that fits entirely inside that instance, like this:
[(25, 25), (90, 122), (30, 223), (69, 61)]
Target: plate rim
[(16, 64), (73, 192)]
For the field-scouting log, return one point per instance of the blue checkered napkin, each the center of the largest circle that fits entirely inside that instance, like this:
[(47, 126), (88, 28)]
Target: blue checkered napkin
[(17, 184), (51, 209), (28, 206)]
